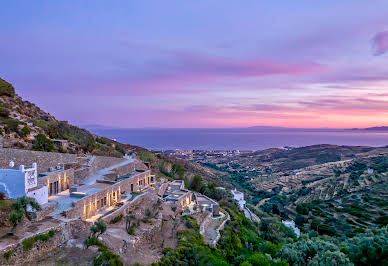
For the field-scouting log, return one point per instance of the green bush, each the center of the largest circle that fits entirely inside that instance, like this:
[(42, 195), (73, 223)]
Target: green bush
[(11, 125), (4, 112), (131, 231), (51, 233), (117, 219), (8, 254), (6, 88), (42, 143), (28, 243), (25, 131), (382, 220), (108, 258), (303, 208), (42, 237)]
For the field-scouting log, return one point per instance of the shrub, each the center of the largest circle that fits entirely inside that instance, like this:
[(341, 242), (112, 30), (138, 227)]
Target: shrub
[(4, 112), (25, 131), (131, 231), (51, 233), (11, 125), (92, 241), (16, 217), (117, 219), (8, 254), (42, 143), (303, 208), (6, 88), (382, 220), (120, 149), (19, 207), (28, 243), (42, 237), (108, 258)]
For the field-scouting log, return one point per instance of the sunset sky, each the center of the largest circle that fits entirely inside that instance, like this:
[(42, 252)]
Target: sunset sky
[(200, 63)]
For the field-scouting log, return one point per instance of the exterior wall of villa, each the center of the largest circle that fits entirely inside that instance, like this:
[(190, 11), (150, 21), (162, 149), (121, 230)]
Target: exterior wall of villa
[(57, 181), (40, 194), (88, 206), (184, 201)]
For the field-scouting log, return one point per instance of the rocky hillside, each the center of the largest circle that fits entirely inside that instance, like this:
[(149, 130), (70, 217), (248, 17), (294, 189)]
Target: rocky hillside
[(24, 125)]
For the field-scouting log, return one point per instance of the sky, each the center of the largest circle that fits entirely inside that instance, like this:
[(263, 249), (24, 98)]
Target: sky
[(200, 64)]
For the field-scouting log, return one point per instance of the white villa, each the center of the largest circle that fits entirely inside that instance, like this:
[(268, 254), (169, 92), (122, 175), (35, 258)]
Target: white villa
[(21, 182), (239, 197)]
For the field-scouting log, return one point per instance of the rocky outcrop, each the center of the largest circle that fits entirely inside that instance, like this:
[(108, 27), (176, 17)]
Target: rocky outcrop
[(19, 255)]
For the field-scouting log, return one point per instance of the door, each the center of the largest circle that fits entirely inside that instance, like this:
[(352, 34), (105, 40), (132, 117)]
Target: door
[(131, 187), (87, 212)]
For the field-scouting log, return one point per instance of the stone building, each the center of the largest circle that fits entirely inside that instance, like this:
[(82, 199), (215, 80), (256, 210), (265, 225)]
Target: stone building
[(23, 182), (87, 201), (57, 179), (61, 144)]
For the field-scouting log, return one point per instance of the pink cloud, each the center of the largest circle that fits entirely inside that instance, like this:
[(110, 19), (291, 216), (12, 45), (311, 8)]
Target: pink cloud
[(181, 71)]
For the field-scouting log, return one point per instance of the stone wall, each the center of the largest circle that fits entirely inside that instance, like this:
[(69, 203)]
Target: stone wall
[(128, 206), (56, 176), (81, 174), (205, 223), (147, 236), (101, 162), (40, 249), (46, 210), (27, 157), (122, 170)]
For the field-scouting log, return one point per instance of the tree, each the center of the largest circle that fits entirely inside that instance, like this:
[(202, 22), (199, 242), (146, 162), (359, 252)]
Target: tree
[(370, 248), (304, 250), (98, 228), (303, 208), (196, 183), (20, 209), (331, 258), (42, 143)]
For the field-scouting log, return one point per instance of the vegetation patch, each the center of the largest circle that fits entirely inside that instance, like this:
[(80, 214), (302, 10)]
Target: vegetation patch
[(107, 257), (8, 254), (29, 242), (6, 89), (117, 219)]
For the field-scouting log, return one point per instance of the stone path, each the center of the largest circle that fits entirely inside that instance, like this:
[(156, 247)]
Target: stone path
[(211, 233)]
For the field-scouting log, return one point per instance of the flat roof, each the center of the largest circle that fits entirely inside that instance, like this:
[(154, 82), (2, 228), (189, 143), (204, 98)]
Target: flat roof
[(47, 173)]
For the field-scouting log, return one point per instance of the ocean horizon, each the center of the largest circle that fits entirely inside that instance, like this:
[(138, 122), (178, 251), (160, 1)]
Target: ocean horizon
[(255, 138)]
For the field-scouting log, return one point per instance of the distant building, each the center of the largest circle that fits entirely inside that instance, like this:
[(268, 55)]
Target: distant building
[(61, 144), (291, 224), (21, 182), (239, 197)]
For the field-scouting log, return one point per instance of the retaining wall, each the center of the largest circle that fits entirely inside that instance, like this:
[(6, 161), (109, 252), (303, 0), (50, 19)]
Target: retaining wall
[(63, 232)]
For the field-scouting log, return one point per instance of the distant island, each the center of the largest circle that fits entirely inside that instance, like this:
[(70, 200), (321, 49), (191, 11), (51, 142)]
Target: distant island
[(382, 128)]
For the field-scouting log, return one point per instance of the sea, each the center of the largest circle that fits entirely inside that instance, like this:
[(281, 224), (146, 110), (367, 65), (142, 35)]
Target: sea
[(240, 138)]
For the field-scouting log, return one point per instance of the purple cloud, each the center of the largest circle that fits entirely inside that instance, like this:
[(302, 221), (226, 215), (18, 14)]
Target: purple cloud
[(380, 43)]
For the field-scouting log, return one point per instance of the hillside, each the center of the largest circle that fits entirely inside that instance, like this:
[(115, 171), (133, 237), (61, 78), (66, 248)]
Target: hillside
[(331, 189), (24, 125)]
